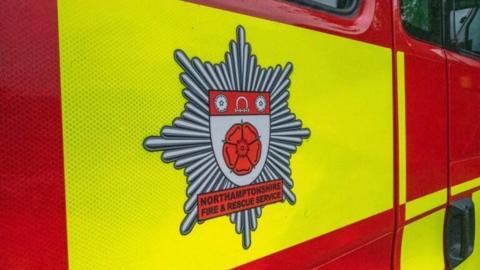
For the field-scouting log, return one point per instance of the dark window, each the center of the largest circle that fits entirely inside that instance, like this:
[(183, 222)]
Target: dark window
[(342, 7), (464, 25), (423, 19)]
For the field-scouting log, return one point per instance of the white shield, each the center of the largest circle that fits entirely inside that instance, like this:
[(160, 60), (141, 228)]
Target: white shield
[(240, 135)]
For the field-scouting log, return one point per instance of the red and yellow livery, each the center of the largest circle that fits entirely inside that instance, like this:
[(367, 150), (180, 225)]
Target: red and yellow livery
[(381, 142)]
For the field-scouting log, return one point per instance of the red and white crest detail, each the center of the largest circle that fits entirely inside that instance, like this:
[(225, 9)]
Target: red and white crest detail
[(240, 133), (234, 139)]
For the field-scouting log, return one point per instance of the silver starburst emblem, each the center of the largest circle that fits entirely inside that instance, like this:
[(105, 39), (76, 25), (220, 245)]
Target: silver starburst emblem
[(234, 139)]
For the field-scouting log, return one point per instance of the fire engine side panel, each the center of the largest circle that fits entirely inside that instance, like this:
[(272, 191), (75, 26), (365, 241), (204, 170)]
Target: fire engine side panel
[(120, 84), (464, 91), (422, 147), (464, 110)]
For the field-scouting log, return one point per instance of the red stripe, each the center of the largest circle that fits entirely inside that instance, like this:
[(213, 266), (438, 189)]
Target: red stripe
[(396, 259), (325, 248), (373, 255), (32, 203)]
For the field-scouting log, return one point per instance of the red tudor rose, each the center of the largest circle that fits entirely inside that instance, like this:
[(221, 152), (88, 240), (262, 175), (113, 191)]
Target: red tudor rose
[(242, 148)]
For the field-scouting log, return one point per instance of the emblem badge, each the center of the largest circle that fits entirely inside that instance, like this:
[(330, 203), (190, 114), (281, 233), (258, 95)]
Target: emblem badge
[(234, 138)]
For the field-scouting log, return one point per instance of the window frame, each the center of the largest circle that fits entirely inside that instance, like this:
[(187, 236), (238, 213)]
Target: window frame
[(412, 33), (446, 42), (337, 11), (450, 43)]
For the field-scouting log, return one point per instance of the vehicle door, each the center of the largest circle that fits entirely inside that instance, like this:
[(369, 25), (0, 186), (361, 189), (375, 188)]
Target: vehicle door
[(462, 37), (422, 134)]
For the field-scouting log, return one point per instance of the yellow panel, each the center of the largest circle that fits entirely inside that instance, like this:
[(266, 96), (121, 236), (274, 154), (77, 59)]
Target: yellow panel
[(402, 131), (473, 261), (471, 184), (120, 84), (422, 243), (425, 203)]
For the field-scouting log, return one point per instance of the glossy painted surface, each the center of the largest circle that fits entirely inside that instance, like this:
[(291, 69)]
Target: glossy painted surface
[(426, 123), (423, 145), (422, 243), (464, 130), (120, 84), (363, 243), (373, 255), (464, 92), (371, 23), (119, 81), (426, 114), (32, 205)]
